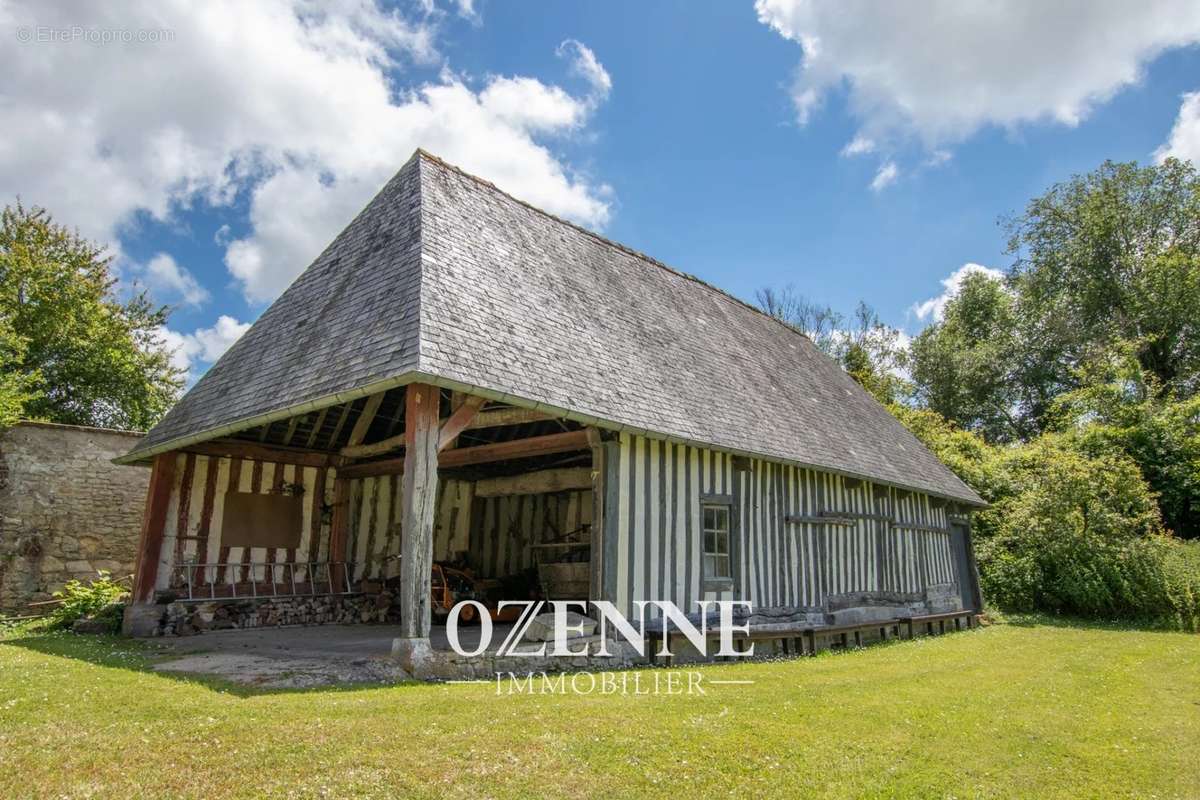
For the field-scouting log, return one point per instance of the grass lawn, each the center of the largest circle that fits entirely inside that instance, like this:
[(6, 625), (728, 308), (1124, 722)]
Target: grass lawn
[(1037, 709)]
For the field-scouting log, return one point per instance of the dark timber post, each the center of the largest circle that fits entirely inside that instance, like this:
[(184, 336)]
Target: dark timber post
[(419, 497), (140, 619)]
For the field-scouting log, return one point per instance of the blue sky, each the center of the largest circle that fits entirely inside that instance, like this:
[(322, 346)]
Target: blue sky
[(217, 161)]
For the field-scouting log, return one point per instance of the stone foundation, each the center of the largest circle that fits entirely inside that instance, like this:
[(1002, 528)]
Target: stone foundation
[(66, 511)]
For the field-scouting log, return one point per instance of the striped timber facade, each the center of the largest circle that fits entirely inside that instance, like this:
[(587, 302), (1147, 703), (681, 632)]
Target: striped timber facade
[(897, 546), (655, 490)]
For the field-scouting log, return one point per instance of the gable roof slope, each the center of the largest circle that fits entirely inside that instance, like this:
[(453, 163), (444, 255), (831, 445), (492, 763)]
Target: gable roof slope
[(445, 278)]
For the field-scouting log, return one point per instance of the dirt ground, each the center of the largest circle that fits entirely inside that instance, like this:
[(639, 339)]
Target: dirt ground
[(296, 657)]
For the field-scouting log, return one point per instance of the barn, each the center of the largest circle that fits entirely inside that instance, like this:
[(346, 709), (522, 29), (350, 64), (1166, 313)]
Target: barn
[(463, 392)]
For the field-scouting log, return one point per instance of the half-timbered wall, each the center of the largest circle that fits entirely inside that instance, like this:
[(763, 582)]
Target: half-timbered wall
[(495, 533), (653, 539), (192, 534), (375, 523), (506, 527)]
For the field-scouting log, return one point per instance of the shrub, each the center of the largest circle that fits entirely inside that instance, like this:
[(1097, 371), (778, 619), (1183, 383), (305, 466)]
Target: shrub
[(1072, 527), (1081, 534), (99, 598)]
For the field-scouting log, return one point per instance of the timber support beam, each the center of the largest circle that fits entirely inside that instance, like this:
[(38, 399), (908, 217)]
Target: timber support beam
[(417, 510)]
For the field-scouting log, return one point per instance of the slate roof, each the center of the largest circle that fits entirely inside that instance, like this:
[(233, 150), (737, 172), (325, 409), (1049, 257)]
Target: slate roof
[(446, 279)]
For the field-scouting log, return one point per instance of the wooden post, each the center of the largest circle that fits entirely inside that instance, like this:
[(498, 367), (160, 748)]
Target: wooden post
[(154, 521), (417, 510), (339, 528)]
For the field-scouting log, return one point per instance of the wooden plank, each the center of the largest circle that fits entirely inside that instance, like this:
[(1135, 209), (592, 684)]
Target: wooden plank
[(419, 499), (154, 521), (540, 482), (260, 452), (506, 416), (501, 451), (363, 423), (374, 448), (458, 421), (339, 529)]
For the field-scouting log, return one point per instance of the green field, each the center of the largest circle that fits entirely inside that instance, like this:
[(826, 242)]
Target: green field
[(1034, 709)]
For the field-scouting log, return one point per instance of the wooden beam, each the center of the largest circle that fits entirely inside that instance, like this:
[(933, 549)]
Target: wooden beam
[(261, 452), (458, 421), (483, 454), (517, 448), (475, 419), (417, 508), (339, 529), (540, 482), (374, 448), (506, 416), (154, 520), (316, 428), (363, 423)]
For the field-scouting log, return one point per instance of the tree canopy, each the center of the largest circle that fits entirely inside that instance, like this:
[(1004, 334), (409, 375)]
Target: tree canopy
[(71, 351)]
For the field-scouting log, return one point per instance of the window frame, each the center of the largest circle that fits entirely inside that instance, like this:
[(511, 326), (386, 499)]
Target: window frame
[(723, 503)]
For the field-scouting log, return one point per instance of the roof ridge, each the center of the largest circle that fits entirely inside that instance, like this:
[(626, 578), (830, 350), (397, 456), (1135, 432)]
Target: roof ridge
[(421, 152)]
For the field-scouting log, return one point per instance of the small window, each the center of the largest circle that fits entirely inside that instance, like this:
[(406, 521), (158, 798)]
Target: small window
[(717, 564)]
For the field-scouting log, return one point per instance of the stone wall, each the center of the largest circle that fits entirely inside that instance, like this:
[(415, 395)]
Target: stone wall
[(66, 511)]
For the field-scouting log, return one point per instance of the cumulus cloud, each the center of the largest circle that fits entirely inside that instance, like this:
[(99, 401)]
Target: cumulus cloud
[(169, 282), (1184, 141), (944, 70), (203, 346), (885, 176), (291, 104), (934, 308)]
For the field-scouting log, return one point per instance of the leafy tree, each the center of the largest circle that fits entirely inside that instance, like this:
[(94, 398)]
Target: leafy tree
[(964, 367), (1080, 534), (1108, 257), (79, 355), (15, 385), (1119, 408)]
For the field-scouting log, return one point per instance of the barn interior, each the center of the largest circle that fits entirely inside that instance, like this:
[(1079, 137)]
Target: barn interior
[(513, 515)]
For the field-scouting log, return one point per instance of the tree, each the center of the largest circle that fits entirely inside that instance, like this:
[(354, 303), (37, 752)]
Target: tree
[(1111, 256), (1119, 409), (819, 323), (965, 366), (16, 387), (873, 353), (81, 356)]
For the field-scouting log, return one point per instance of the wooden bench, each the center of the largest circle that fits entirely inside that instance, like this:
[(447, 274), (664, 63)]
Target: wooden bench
[(798, 639)]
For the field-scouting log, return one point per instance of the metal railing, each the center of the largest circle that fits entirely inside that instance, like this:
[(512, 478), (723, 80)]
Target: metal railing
[(200, 580)]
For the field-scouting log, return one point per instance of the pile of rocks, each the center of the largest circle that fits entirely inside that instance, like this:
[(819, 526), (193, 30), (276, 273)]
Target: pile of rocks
[(187, 619)]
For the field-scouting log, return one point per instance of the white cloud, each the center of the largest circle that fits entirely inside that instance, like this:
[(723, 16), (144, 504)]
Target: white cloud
[(293, 103), (943, 70), (1184, 141), (202, 346), (585, 64), (935, 307), (859, 145), (885, 176), (169, 282)]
